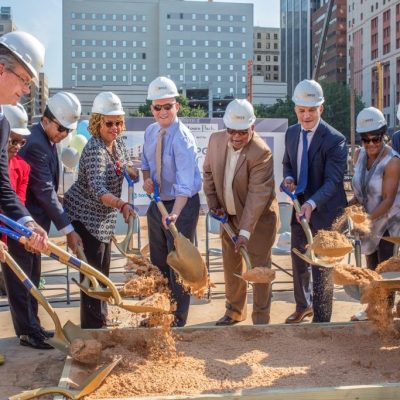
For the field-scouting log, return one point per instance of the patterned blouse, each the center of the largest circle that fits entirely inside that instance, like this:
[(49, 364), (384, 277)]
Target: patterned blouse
[(98, 175)]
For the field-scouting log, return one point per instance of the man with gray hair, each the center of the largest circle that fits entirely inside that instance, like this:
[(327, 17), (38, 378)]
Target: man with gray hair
[(21, 57)]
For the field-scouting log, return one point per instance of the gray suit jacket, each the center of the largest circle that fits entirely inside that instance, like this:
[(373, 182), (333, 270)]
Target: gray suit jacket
[(41, 198)]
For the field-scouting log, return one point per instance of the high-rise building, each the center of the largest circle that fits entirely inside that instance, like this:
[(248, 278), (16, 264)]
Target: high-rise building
[(296, 62), (374, 37), (199, 45), (6, 21), (333, 57), (266, 42)]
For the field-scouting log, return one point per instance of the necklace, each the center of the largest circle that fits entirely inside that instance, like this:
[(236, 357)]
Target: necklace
[(114, 160)]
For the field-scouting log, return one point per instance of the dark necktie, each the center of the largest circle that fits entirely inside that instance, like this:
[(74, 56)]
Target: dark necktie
[(303, 176)]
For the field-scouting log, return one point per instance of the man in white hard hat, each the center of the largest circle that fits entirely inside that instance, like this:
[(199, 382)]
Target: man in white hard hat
[(40, 152), (176, 172), (396, 135), (21, 58), (314, 164), (239, 181)]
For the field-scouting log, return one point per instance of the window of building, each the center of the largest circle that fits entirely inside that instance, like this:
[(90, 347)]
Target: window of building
[(218, 43), (230, 67), (193, 66), (193, 78), (243, 30), (114, 66), (181, 27), (219, 67), (258, 35), (104, 78), (93, 78), (258, 45), (73, 27), (276, 58), (143, 56), (193, 54), (231, 44), (218, 28), (243, 18), (218, 17), (104, 66), (73, 41), (219, 78)]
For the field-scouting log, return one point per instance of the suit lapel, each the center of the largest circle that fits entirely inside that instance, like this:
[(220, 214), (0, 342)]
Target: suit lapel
[(240, 161), (316, 142), (295, 149)]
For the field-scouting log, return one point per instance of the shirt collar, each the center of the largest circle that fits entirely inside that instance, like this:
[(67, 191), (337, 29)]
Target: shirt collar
[(230, 146), (313, 129)]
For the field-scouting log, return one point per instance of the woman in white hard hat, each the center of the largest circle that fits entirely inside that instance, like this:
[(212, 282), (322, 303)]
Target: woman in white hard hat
[(93, 201), (376, 188)]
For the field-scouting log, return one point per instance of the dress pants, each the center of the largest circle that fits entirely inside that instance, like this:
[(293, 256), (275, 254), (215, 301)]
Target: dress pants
[(161, 243), (98, 255), (320, 296), (23, 306), (259, 249)]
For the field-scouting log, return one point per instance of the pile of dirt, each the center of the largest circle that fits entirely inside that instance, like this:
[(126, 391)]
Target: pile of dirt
[(331, 244), (349, 275), (246, 359), (259, 275), (390, 265), (85, 351)]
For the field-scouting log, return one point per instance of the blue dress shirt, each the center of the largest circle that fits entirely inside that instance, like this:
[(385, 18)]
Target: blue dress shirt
[(180, 174)]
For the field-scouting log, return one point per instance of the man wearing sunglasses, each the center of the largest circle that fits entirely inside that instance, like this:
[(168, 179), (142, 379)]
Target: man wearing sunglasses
[(40, 152), (314, 164), (21, 58), (239, 181), (169, 159)]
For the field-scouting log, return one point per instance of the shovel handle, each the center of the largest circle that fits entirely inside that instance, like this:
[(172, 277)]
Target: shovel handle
[(12, 264), (164, 213)]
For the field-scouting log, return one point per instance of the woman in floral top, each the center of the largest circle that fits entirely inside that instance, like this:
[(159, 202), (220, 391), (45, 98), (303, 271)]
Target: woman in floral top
[(93, 201)]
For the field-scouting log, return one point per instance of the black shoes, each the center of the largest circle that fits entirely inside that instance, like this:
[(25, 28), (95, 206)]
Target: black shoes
[(226, 321), (36, 341), (47, 334)]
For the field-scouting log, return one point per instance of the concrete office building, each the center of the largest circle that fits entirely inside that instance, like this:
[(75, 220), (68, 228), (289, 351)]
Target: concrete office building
[(374, 33), (266, 50), (197, 44), (296, 27), (333, 58), (6, 21)]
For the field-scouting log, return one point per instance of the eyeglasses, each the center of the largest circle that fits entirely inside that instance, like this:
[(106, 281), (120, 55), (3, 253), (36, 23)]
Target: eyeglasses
[(166, 107), (25, 82), (374, 140), (60, 128), (242, 132), (17, 142), (110, 124)]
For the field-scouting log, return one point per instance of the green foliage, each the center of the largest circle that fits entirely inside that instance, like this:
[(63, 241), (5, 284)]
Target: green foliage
[(184, 111), (336, 107)]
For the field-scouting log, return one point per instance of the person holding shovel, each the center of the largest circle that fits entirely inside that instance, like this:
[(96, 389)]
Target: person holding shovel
[(94, 200), (239, 181), (314, 164), (21, 58), (169, 160)]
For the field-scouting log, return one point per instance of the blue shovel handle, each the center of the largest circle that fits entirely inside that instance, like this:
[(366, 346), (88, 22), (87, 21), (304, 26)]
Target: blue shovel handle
[(11, 234), (221, 218), (21, 229)]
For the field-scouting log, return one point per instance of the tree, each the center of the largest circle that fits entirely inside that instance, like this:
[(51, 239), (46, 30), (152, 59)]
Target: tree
[(184, 111), (336, 107)]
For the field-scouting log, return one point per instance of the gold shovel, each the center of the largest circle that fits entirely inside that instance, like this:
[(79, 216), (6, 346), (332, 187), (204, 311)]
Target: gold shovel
[(91, 383), (185, 259), (113, 297), (125, 245), (62, 336)]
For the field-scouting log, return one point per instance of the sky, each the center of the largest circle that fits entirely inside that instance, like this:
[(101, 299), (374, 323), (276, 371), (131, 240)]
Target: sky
[(42, 18)]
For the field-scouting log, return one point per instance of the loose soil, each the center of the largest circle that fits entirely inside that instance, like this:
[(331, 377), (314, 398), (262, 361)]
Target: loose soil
[(230, 359), (331, 244), (259, 275), (360, 219), (390, 265)]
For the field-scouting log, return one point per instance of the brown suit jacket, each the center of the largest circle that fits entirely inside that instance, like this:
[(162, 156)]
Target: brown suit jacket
[(253, 183)]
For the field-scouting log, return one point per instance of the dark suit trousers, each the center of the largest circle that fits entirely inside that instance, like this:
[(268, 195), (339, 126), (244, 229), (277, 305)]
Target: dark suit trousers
[(161, 243), (320, 295), (23, 306), (98, 255)]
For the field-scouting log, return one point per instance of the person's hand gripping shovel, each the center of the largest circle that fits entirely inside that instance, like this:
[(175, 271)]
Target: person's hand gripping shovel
[(109, 293), (185, 259), (256, 274), (125, 246)]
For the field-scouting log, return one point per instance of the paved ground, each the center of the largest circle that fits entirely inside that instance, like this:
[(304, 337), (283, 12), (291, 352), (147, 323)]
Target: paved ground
[(26, 368)]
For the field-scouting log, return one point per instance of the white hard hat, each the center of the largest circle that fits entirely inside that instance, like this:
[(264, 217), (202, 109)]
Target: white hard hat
[(66, 108), (107, 103), (17, 118), (398, 112), (239, 114), (370, 119), (308, 93), (162, 88), (27, 49)]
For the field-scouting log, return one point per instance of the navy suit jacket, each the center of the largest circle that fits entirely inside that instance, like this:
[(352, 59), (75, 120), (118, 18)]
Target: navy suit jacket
[(327, 162), (41, 198), (9, 202)]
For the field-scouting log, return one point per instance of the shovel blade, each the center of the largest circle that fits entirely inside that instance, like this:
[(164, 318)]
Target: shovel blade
[(93, 381), (59, 343), (186, 260), (313, 261), (392, 239), (73, 332)]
